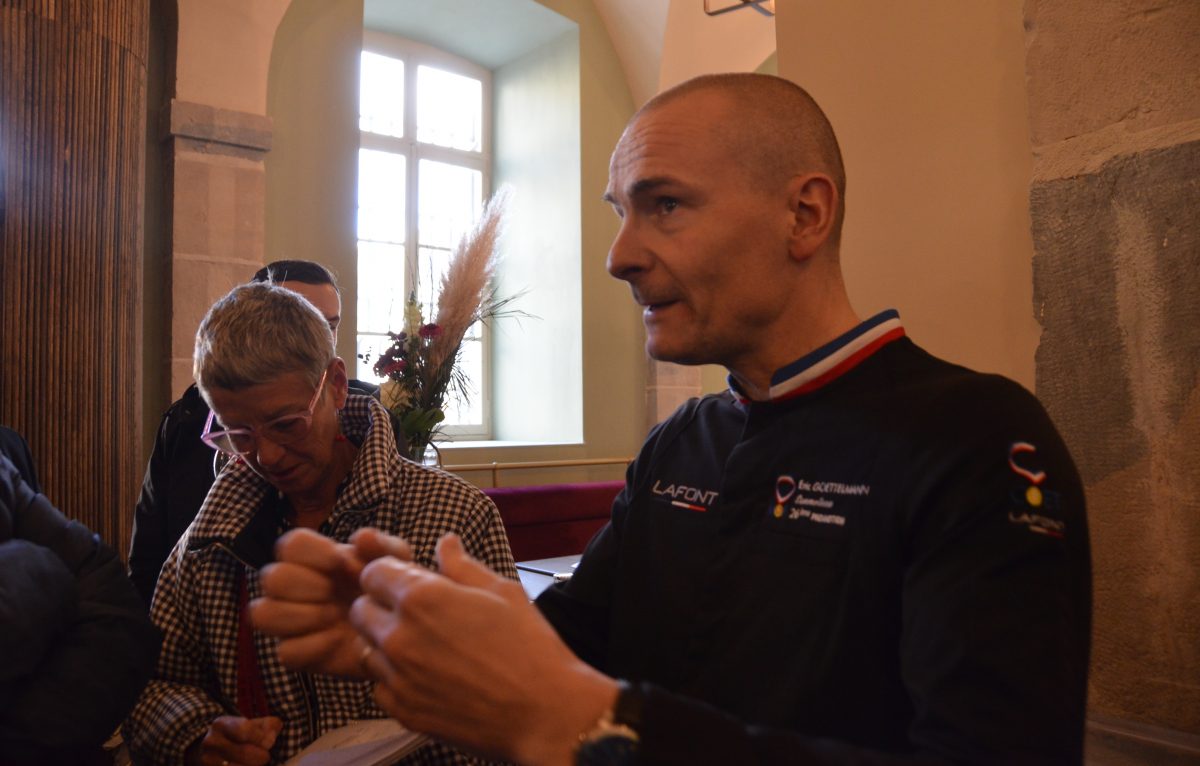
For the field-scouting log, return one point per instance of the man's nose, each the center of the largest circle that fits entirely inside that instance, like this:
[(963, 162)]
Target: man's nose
[(628, 255)]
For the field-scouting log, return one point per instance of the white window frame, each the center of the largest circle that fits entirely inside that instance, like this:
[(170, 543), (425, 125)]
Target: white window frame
[(415, 54)]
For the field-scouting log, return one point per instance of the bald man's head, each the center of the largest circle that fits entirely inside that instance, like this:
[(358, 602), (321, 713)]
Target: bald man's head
[(774, 126)]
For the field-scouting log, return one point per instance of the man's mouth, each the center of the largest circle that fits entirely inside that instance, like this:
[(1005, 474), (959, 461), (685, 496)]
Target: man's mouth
[(650, 307)]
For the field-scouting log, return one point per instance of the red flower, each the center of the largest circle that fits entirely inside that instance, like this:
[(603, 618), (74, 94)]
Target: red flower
[(395, 367)]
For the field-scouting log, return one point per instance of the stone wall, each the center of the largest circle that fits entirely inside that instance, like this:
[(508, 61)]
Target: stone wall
[(215, 134), (1115, 127), (216, 192)]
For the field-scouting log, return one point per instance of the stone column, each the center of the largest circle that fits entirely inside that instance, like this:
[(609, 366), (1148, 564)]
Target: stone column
[(1115, 126), (72, 98), (217, 185)]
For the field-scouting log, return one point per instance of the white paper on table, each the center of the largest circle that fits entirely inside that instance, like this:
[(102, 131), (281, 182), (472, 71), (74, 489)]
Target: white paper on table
[(376, 742)]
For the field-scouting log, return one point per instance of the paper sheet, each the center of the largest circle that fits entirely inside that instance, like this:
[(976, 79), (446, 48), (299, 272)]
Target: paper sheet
[(379, 742)]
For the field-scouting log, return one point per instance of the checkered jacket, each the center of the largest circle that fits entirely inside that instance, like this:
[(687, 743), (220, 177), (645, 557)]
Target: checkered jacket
[(196, 603)]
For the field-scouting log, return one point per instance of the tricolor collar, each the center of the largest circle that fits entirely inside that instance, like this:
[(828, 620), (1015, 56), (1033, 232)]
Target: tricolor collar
[(829, 362)]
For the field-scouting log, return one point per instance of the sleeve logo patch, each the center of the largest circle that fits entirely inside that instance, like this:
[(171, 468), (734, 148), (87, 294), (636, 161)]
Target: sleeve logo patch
[(1032, 502)]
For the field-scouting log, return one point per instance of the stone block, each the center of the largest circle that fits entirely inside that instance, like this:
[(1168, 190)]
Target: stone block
[(214, 125), (1115, 289), (1093, 64), (220, 206), (1116, 254), (189, 218), (196, 285)]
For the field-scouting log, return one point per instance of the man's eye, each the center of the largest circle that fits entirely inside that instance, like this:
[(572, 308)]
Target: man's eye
[(667, 204)]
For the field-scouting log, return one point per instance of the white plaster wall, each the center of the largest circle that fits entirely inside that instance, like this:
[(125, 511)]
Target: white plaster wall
[(637, 28), (537, 362), (928, 101), (696, 43), (224, 51)]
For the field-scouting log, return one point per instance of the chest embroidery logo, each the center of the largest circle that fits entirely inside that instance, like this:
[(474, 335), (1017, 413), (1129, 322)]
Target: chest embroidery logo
[(818, 506), (1032, 501), (683, 496), (785, 487)]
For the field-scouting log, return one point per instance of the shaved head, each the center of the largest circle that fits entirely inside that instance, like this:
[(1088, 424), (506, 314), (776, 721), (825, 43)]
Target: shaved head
[(776, 127)]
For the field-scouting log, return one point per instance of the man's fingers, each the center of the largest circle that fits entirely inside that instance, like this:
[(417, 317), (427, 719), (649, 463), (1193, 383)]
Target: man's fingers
[(296, 582), (287, 618), (455, 563), (390, 702), (313, 550), (374, 620), (309, 651), (371, 544), (387, 580)]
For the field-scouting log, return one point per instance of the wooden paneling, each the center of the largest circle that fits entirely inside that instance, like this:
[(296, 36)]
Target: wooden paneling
[(72, 93)]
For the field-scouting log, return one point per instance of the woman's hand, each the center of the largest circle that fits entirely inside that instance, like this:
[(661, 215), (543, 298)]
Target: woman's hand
[(234, 741)]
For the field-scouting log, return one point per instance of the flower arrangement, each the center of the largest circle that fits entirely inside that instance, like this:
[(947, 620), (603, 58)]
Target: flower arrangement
[(421, 364)]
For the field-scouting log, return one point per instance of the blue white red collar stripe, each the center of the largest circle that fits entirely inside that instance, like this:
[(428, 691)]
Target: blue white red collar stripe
[(837, 357)]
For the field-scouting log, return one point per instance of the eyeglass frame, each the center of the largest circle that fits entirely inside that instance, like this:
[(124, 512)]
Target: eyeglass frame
[(209, 436)]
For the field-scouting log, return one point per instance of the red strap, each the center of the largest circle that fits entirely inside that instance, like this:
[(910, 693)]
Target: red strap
[(251, 693)]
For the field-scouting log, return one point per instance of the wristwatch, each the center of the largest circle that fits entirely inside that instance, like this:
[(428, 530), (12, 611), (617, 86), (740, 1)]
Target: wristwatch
[(613, 740)]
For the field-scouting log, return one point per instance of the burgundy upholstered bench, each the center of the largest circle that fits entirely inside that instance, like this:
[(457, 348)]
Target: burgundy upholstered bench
[(547, 520)]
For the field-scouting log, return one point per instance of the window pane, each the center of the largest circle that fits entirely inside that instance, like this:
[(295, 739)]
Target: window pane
[(475, 331), (370, 346), (449, 201), (381, 95), (469, 412), (449, 109), (381, 196), (432, 263), (381, 287)]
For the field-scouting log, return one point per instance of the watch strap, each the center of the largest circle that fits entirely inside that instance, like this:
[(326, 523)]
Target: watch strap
[(631, 701), (613, 739)]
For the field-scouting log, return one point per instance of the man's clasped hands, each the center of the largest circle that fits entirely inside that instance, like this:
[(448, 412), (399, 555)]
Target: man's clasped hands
[(459, 653)]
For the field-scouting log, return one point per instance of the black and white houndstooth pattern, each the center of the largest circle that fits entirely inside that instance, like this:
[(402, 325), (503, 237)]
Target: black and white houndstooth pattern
[(195, 604)]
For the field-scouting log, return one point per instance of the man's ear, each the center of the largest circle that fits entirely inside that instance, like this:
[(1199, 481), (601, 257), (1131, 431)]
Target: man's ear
[(813, 201), (339, 384)]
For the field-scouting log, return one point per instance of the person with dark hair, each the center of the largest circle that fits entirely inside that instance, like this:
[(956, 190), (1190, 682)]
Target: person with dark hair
[(308, 454), (860, 553), (304, 272), (181, 468), (76, 647)]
